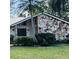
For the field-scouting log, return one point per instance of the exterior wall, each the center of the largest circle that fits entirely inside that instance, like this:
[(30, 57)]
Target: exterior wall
[(51, 25), (27, 26), (12, 31), (44, 24)]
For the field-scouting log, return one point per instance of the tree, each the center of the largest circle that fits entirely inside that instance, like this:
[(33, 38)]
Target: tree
[(22, 6), (59, 8), (32, 22), (33, 7)]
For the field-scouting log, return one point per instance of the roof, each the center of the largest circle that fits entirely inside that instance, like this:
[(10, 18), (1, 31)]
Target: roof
[(17, 20)]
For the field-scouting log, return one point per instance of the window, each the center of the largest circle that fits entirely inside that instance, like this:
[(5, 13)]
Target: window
[(21, 32)]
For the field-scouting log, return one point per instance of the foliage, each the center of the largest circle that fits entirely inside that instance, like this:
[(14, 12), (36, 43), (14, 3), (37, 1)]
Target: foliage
[(45, 38), (23, 5), (25, 41), (65, 41), (59, 8)]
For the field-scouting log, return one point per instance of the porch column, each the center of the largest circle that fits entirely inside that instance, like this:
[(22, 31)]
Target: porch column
[(15, 32), (36, 24)]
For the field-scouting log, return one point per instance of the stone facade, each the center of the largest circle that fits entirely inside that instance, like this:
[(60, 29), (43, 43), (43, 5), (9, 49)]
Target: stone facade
[(52, 25)]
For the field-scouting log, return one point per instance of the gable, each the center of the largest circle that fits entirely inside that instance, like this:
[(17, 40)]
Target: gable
[(51, 24)]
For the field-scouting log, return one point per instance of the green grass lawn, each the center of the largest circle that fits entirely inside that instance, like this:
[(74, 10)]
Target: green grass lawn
[(54, 52)]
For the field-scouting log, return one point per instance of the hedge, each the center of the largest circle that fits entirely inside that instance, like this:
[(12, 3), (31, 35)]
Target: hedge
[(45, 38), (24, 41)]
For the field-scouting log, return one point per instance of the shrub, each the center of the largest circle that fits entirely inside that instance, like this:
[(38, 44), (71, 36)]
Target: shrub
[(45, 38), (65, 41), (24, 41), (11, 39)]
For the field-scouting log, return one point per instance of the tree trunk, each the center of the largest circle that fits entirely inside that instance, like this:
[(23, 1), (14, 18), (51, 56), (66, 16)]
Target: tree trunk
[(32, 23)]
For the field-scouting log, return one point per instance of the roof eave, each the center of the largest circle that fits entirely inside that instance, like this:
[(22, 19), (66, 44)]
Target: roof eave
[(25, 20)]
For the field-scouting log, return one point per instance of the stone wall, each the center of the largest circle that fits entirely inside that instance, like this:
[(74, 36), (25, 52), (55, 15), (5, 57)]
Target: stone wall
[(52, 25)]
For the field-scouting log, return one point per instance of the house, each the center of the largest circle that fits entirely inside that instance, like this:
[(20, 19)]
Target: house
[(43, 23)]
